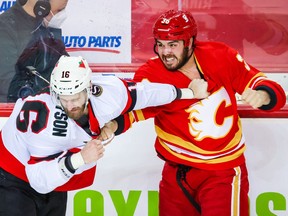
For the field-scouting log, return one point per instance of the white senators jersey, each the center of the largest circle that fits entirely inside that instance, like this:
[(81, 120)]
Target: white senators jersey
[(38, 133)]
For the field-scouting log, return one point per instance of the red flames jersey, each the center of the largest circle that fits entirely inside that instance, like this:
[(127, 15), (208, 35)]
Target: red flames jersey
[(205, 133)]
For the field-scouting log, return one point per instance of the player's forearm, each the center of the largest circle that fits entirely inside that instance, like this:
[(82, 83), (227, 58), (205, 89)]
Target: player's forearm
[(156, 94), (47, 176)]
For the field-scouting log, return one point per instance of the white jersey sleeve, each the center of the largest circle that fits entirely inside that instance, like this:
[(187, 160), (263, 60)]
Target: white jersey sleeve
[(154, 94), (112, 96)]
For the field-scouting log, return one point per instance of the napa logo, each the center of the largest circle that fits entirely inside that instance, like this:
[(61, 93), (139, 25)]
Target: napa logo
[(107, 43), (5, 5)]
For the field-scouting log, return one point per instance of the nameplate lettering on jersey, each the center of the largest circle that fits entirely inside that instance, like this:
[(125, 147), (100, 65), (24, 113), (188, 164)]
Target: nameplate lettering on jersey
[(60, 123)]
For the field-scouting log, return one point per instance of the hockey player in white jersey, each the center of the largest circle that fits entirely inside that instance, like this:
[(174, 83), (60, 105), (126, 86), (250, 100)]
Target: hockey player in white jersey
[(49, 144)]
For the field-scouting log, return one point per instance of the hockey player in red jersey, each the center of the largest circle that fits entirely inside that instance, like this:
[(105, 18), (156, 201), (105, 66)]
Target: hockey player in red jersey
[(201, 139), (49, 144)]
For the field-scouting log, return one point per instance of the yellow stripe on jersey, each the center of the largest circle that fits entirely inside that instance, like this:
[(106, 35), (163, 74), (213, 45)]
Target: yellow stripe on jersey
[(197, 63), (236, 184), (260, 74), (179, 142), (215, 160), (139, 115)]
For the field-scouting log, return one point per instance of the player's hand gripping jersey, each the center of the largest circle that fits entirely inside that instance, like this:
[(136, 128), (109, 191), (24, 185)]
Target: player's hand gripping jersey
[(204, 133), (39, 133)]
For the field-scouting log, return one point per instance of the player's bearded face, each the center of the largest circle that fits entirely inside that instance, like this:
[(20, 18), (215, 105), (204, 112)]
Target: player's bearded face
[(76, 112), (172, 53), (74, 105)]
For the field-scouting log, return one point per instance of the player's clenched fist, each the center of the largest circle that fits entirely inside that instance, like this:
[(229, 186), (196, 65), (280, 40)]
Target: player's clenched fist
[(255, 98), (199, 88), (92, 151)]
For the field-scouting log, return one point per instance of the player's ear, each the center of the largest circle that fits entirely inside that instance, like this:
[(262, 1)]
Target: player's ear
[(190, 42)]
